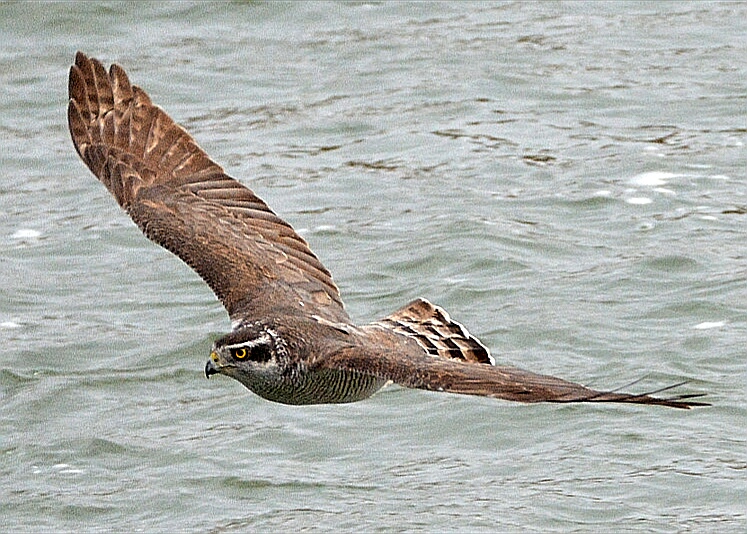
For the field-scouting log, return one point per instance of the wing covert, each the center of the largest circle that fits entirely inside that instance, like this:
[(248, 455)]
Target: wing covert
[(181, 199), (436, 332)]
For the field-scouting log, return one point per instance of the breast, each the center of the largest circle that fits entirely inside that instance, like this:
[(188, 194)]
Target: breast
[(318, 387)]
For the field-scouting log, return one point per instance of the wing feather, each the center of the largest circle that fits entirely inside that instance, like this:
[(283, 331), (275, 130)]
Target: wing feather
[(436, 332), (407, 364), (182, 200)]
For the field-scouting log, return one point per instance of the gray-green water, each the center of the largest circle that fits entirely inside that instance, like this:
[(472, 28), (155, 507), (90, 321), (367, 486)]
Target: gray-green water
[(567, 179)]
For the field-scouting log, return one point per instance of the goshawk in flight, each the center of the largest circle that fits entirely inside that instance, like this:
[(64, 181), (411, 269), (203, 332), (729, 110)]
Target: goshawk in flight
[(292, 340)]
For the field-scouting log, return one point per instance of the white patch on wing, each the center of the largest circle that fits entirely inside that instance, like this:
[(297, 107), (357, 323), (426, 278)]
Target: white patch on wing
[(342, 327)]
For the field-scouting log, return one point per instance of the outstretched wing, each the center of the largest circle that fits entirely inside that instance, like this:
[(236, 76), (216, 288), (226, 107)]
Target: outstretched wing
[(420, 346), (252, 260), (416, 369)]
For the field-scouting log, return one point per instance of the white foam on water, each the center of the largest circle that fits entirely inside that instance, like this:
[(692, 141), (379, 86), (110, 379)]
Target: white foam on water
[(653, 178), (709, 324), (26, 233)]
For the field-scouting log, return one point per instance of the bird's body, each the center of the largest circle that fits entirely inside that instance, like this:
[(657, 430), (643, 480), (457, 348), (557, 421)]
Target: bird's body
[(292, 341), (284, 362)]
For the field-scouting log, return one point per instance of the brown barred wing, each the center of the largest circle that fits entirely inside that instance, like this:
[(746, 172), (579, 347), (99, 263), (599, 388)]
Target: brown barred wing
[(436, 332), (182, 200), (406, 364)]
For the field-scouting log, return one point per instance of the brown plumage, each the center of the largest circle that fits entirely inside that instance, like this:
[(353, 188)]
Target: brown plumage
[(292, 340)]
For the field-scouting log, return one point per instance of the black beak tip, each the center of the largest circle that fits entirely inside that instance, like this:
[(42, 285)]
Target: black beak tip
[(210, 369)]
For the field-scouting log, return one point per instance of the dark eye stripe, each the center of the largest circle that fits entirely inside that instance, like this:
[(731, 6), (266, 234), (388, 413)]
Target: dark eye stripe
[(258, 353), (261, 353)]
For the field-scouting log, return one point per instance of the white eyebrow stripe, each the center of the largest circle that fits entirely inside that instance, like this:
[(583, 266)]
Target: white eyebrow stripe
[(263, 340)]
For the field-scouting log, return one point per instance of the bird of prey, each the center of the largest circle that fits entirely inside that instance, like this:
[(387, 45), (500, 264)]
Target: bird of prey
[(292, 340)]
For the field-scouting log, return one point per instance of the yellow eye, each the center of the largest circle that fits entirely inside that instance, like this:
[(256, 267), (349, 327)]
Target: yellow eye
[(240, 353)]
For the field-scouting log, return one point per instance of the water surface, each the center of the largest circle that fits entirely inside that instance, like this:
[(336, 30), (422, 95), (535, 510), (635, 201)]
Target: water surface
[(567, 179)]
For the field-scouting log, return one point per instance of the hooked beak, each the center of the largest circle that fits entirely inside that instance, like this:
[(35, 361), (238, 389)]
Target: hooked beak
[(210, 367)]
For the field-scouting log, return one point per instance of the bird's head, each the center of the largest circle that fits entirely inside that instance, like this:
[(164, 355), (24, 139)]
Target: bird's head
[(249, 350)]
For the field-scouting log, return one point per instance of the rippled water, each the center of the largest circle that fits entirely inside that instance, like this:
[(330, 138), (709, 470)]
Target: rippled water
[(567, 179)]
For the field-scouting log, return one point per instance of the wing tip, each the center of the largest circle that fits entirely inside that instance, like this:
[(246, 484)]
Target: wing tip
[(77, 127), (678, 401)]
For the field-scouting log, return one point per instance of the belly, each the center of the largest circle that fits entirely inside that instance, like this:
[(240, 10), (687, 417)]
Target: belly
[(323, 387)]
